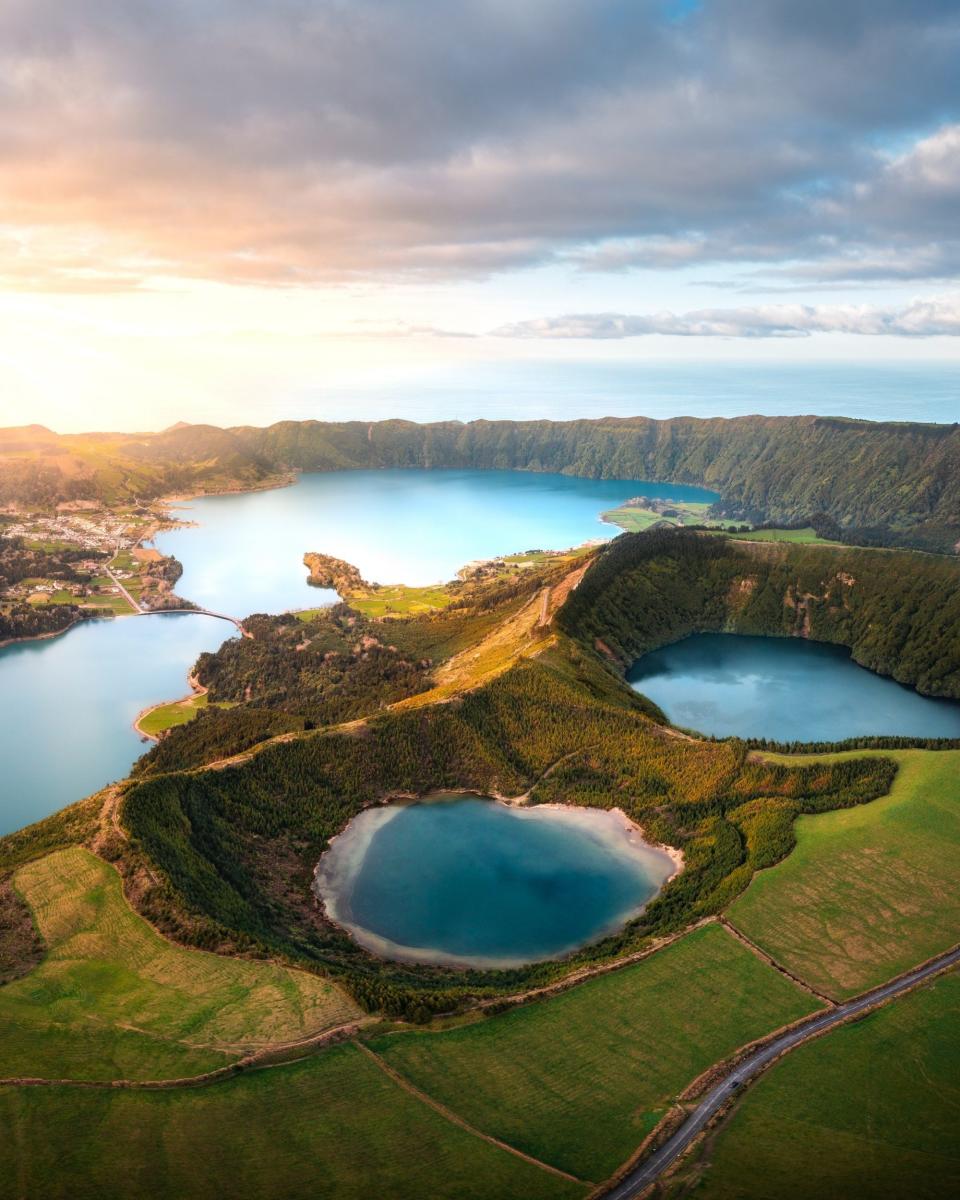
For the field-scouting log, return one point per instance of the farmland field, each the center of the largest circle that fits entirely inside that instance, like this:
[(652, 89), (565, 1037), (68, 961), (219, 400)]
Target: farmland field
[(871, 1111), (868, 891), (333, 1126), (112, 999), (579, 1080)]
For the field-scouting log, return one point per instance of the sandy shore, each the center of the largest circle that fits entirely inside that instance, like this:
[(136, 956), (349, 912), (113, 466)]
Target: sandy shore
[(197, 689), (343, 858)]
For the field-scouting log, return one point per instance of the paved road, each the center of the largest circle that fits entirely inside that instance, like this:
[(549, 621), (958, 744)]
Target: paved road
[(646, 1172), (126, 595), (202, 612)]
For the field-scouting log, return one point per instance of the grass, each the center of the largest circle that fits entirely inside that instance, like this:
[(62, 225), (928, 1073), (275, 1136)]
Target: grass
[(635, 520), (804, 537), (112, 999), (871, 1111), (59, 596), (115, 604), (334, 1126), (177, 712), (579, 1080), (398, 600), (168, 716), (869, 891)]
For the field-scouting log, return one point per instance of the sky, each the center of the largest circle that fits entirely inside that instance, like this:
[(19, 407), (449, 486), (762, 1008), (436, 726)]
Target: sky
[(210, 203)]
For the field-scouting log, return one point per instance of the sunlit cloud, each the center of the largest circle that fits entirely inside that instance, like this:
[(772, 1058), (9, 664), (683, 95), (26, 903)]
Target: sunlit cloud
[(312, 141), (935, 317)]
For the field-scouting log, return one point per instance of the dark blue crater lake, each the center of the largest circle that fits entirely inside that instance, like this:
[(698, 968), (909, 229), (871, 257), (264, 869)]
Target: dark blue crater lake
[(785, 689), (470, 881)]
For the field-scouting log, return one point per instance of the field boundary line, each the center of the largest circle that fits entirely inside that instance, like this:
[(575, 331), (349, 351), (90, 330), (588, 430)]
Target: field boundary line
[(455, 1119), (262, 1059), (682, 1128), (772, 962)]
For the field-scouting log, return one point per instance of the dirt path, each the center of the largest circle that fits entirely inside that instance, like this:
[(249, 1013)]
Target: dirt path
[(524, 797), (772, 962), (454, 1119), (278, 1054)]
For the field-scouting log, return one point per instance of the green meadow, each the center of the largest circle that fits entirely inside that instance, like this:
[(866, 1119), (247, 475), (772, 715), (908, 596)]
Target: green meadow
[(113, 1000), (580, 1079), (333, 1127), (868, 891), (870, 1112)]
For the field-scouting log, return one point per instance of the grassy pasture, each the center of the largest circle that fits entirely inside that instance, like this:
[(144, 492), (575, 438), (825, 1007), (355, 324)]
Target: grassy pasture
[(398, 600), (334, 1126), (870, 891), (802, 537), (112, 999), (635, 519), (177, 712), (871, 1111), (580, 1079), (168, 716)]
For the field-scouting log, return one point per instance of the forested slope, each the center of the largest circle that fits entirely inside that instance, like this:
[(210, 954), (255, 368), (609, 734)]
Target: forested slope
[(229, 854), (776, 468), (898, 612), (895, 482)]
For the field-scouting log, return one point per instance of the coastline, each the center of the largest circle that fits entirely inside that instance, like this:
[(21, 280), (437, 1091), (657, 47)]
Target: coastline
[(197, 689), (54, 633)]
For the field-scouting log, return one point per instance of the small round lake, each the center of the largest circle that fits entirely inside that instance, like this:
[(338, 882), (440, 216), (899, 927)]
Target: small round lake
[(785, 689), (472, 882)]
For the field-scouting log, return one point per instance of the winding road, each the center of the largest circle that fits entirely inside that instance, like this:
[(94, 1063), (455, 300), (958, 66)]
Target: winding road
[(642, 1176)]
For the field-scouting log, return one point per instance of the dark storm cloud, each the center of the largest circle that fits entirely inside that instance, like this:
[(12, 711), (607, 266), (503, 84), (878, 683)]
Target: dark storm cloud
[(307, 139)]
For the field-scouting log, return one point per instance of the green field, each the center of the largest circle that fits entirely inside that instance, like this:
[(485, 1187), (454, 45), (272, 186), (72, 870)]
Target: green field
[(333, 1127), (868, 891), (177, 712), (579, 1080), (58, 596), (872, 1112), (803, 537), (398, 600), (635, 520), (112, 999)]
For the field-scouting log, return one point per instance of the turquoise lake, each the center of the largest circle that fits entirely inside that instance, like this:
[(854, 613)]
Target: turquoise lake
[(68, 703), (245, 553), (785, 689), (470, 881)]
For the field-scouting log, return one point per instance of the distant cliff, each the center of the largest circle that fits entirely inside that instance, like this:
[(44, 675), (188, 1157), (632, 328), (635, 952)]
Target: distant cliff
[(903, 477), (894, 483)]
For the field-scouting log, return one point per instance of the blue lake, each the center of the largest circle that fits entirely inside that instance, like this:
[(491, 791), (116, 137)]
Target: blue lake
[(785, 689), (245, 552), (470, 881), (69, 704)]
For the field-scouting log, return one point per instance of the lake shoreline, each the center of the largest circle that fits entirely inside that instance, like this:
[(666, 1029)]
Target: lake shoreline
[(335, 871)]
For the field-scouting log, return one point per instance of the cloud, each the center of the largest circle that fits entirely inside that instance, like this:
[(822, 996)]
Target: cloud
[(311, 140), (935, 317)]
